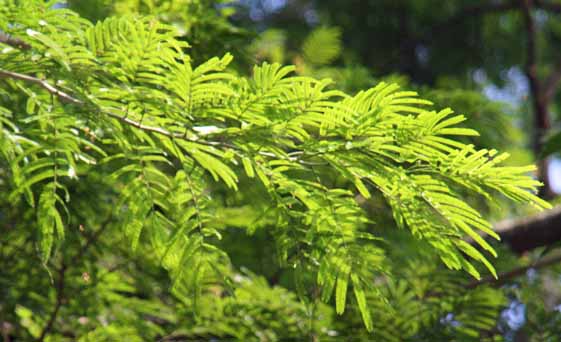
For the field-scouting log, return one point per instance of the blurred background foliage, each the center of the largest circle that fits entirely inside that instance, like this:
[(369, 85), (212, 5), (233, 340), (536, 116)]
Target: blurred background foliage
[(472, 61)]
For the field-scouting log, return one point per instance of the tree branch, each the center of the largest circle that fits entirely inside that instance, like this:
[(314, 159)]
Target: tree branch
[(553, 80), (92, 239), (68, 98), (539, 102), (519, 271), (158, 130), (14, 42), (42, 83), (528, 233), (60, 284)]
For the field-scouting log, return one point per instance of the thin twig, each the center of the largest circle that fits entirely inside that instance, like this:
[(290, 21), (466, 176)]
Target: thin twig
[(14, 42), (181, 136), (68, 98), (42, 83), (60, 284), (92, 239)]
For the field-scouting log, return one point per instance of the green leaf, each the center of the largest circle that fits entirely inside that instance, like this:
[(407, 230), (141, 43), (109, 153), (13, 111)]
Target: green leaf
[(341, 291), (49, 221), (361, 301), (248, 167)]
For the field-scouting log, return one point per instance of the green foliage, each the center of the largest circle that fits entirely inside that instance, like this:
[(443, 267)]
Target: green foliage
[(270, 46), (207, 29), (322, 46), (319, 48), (118, 108), (493, 120)]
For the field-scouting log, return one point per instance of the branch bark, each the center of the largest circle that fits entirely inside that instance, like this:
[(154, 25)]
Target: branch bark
[(528, 233), (14, 42), (42, 83), (539, 100), (555, 76), (519, 271)]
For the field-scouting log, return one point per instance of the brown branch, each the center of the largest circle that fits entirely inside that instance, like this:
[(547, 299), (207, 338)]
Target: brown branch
[(555, 76), (180, 136), (553, 80), (68, 98), (539, 103), (60, 284), (525, 234), (514, 273), (158, 130), (92, 239), (42, 83), (14, 42), (147, 128), (528, 233)]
